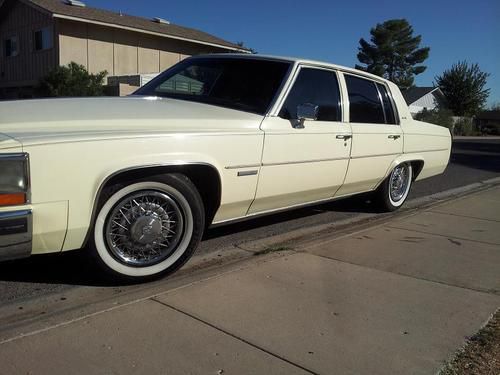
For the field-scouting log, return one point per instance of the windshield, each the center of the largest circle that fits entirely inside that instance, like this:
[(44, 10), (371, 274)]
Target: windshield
[(238, 83)]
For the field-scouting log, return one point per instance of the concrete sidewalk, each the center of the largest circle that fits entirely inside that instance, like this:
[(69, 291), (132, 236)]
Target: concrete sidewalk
[(400, 297)]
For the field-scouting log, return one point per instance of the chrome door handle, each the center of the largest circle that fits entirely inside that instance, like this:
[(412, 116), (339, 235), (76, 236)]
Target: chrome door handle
[(394, 136), (344, 137)]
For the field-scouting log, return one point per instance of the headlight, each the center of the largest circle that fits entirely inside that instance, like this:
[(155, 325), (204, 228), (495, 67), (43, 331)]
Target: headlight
[(14, 179)]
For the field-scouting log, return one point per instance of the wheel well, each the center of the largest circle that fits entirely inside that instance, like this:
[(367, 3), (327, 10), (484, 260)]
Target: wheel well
[(205, 177), (417, 166)]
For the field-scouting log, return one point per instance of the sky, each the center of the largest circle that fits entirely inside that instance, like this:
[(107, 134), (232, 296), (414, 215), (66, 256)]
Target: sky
[(330, 30)]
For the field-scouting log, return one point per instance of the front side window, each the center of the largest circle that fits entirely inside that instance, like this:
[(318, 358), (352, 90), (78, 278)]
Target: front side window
[(43, 39), (314, 86), (239, 83), (11, 46), (365, 105)]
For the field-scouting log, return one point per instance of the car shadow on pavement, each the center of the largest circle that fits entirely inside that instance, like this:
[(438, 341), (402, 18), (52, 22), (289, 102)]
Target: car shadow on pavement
[(71, 268), (77, 268), (356, 204)]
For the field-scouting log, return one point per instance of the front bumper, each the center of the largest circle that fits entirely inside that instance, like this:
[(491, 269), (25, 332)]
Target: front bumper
[(16, 235)]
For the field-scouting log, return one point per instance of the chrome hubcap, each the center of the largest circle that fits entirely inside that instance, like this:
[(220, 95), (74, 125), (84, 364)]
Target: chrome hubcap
[(144, 229), (398, 184)]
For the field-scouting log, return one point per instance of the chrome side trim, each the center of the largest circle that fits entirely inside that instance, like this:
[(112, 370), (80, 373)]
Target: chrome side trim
[(374, 156), (248, 173), (434, 150), (303, 161), (16, 234), (242, 166)]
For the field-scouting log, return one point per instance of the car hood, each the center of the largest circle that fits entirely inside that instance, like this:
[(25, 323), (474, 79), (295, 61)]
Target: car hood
[(56, 120), (9, 144)]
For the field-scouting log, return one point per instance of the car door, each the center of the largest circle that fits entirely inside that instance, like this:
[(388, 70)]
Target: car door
[(377, 138), (304, 160)]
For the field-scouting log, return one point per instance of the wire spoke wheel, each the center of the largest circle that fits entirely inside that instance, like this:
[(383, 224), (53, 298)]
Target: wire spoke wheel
[(399, 182), (148, 228), (144, 228)]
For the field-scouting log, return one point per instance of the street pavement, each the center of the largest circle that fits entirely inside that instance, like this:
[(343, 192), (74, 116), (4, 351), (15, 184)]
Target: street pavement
[(395, 296), (472, 160)]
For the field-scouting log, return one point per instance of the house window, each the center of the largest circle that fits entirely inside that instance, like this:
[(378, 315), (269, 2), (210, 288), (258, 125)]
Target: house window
[(11, 46), (43, 39)]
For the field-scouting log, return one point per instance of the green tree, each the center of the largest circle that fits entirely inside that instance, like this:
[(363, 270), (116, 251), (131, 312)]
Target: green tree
[(438, 116), (71, 80), (394, 53), (464, 88)]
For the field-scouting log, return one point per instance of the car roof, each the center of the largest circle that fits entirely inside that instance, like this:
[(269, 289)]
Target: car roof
[(293, 60)]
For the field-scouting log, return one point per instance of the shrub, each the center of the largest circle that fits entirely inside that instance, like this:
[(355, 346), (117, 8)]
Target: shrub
[(438, 116), (71, 80), (465, 126)]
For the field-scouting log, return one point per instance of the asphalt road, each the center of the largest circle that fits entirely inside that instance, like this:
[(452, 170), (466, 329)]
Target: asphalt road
[(472, 160)]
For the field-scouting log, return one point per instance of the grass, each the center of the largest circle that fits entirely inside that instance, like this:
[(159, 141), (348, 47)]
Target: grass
[(272, 249), (481, 355)]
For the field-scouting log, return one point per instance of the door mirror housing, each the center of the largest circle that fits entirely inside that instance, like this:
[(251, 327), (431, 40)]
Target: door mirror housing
[(306, 111)]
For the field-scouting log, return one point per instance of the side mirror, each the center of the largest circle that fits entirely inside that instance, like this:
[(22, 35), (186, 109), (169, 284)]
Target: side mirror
[(307, 111)]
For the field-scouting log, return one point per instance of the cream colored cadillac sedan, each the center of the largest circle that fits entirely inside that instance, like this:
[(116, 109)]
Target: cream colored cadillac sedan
[(211, 140)]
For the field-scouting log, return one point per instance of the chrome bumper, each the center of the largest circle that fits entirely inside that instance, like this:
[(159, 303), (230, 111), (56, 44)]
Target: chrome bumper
[(15, 234)]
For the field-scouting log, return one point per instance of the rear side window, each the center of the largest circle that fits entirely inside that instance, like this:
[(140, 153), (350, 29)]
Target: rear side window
[(390, 117), (364, 102), (314, 86)]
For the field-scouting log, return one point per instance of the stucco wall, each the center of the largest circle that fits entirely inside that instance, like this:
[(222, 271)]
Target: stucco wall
[(28, 66), (121, 52)]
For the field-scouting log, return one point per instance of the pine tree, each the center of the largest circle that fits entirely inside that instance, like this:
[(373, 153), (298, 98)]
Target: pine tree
[(394, 53)]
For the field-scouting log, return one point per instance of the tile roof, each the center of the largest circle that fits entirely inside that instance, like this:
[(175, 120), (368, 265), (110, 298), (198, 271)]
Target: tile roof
[(58, 7)]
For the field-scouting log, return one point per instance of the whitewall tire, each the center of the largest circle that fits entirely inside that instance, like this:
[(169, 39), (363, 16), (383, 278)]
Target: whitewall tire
[(393, 192), (148, 228)]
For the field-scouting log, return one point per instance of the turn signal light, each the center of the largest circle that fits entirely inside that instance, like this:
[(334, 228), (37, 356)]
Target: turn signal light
[(12, 199)]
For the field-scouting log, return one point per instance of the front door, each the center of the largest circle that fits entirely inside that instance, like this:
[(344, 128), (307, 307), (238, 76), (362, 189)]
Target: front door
[(304, 160)]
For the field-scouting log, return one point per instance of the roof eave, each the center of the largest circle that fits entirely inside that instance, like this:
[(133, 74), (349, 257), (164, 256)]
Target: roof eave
[(78, 19)]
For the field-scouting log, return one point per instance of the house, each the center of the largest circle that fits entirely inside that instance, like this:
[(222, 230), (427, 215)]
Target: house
[(420, 98), (38, 35)]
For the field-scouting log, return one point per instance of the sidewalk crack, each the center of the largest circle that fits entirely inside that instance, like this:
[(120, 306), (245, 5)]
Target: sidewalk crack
[(255, 346), (489, 292)]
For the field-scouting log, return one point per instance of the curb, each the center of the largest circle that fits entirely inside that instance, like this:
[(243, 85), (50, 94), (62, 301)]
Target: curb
[(365, 220)]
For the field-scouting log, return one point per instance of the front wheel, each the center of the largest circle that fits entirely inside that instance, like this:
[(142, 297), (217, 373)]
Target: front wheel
[(394, 190), (148, 228)]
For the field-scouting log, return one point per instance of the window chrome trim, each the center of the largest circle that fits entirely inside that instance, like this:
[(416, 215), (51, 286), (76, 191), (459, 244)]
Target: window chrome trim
[(299, 66), (389, 94), (381, 102)]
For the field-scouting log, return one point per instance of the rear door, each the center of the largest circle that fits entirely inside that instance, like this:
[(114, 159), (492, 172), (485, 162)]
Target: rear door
[(377, 137), (304, 162)]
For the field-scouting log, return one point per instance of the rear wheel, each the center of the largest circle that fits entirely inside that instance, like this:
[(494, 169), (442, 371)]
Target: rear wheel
[(394, 190), (148, 228)]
